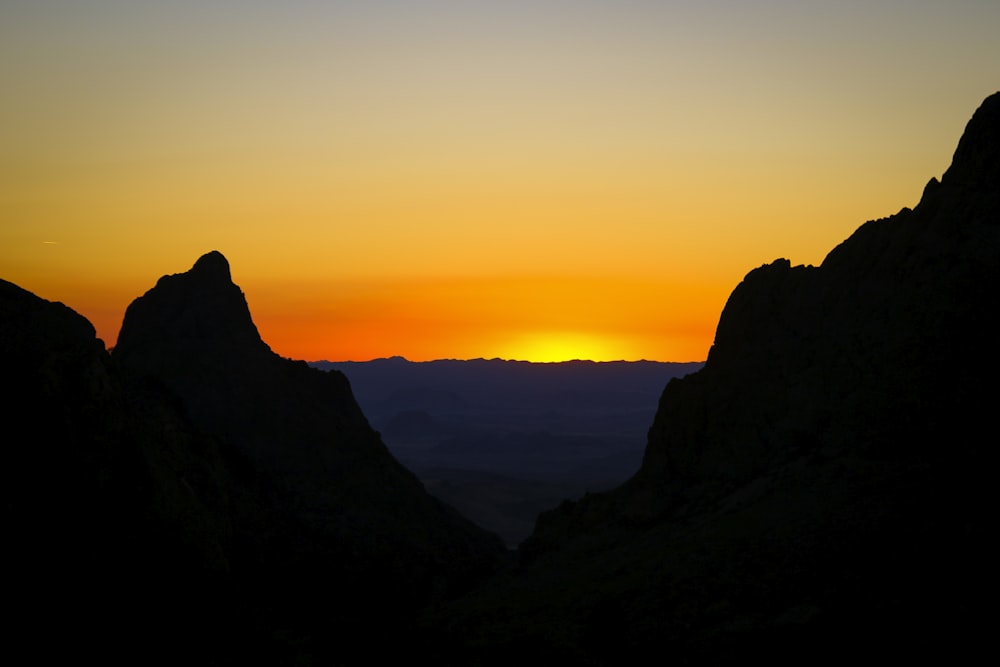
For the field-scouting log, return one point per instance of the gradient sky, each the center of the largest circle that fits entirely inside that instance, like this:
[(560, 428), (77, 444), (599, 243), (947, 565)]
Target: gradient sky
[(535, 180)]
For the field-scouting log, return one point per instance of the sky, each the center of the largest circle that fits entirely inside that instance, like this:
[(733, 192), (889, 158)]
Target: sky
[(539, 180)]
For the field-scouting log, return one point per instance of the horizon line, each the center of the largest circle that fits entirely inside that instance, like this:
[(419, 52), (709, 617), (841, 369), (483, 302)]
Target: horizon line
[(398, 357)]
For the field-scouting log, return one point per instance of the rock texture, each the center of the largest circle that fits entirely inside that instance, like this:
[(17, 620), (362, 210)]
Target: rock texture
[(819, 488)]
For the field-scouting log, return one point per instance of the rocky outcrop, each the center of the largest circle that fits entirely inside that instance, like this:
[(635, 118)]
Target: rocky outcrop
[(115, 512), (197, 499), (820, 487), (880, 350), (329, 526)]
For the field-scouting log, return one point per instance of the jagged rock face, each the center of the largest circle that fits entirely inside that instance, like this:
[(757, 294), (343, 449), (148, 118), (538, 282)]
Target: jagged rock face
[(105, 497), (69, 433), (193, 314), (869, 352), (62, 417), (222, 504), (976, 163), (194, 334), (326, 522), (820, 485)]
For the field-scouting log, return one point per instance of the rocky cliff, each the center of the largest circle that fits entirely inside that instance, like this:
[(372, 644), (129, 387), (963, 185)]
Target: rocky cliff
[(329, 525), (115, 511), (820, 487), (197, 499)]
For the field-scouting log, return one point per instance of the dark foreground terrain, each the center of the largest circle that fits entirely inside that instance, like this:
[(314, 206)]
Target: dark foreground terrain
[(819, 492)]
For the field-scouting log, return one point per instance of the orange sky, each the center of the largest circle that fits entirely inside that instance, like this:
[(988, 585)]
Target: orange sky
[(536, 180)]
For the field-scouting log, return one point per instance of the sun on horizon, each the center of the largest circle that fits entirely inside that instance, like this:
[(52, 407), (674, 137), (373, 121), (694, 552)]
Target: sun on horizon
[(556, 346)]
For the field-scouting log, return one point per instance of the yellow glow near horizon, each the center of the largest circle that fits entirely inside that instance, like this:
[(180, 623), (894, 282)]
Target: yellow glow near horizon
[(552, 346)]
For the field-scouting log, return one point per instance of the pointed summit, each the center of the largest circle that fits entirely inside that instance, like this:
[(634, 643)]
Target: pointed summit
[(976, 163), (196, 314), (212, 265)]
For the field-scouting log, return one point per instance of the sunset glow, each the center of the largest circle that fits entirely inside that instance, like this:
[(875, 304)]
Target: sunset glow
[(541, 180), (564, 346)]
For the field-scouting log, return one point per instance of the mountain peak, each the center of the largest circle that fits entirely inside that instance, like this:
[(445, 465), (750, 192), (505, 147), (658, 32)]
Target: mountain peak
[(976, 162), (200, 312), (212, 265)]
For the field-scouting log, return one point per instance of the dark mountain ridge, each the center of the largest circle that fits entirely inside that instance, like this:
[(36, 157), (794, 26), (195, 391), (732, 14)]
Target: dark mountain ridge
[(818, 490), (330, 513), (226, 504), (116, 511)]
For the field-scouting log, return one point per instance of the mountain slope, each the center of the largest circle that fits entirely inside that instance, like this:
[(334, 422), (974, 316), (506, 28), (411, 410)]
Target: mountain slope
[(819, 488), (326, 512), (116, 512), (221, 503)]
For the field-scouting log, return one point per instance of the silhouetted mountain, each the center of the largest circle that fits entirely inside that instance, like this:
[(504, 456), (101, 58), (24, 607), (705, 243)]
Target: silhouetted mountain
[(333, 529), (819, 490), (197, 499), (116, 512)]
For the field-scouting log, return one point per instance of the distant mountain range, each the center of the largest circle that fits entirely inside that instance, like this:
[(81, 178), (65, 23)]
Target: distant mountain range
[(821, 491), (511, 385), (501, 441)]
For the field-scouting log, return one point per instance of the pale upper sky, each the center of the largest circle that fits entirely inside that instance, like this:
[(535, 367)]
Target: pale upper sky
[(468, 179)]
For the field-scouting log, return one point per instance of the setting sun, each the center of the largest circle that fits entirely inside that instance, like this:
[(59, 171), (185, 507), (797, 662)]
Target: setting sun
[(550, 346)]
